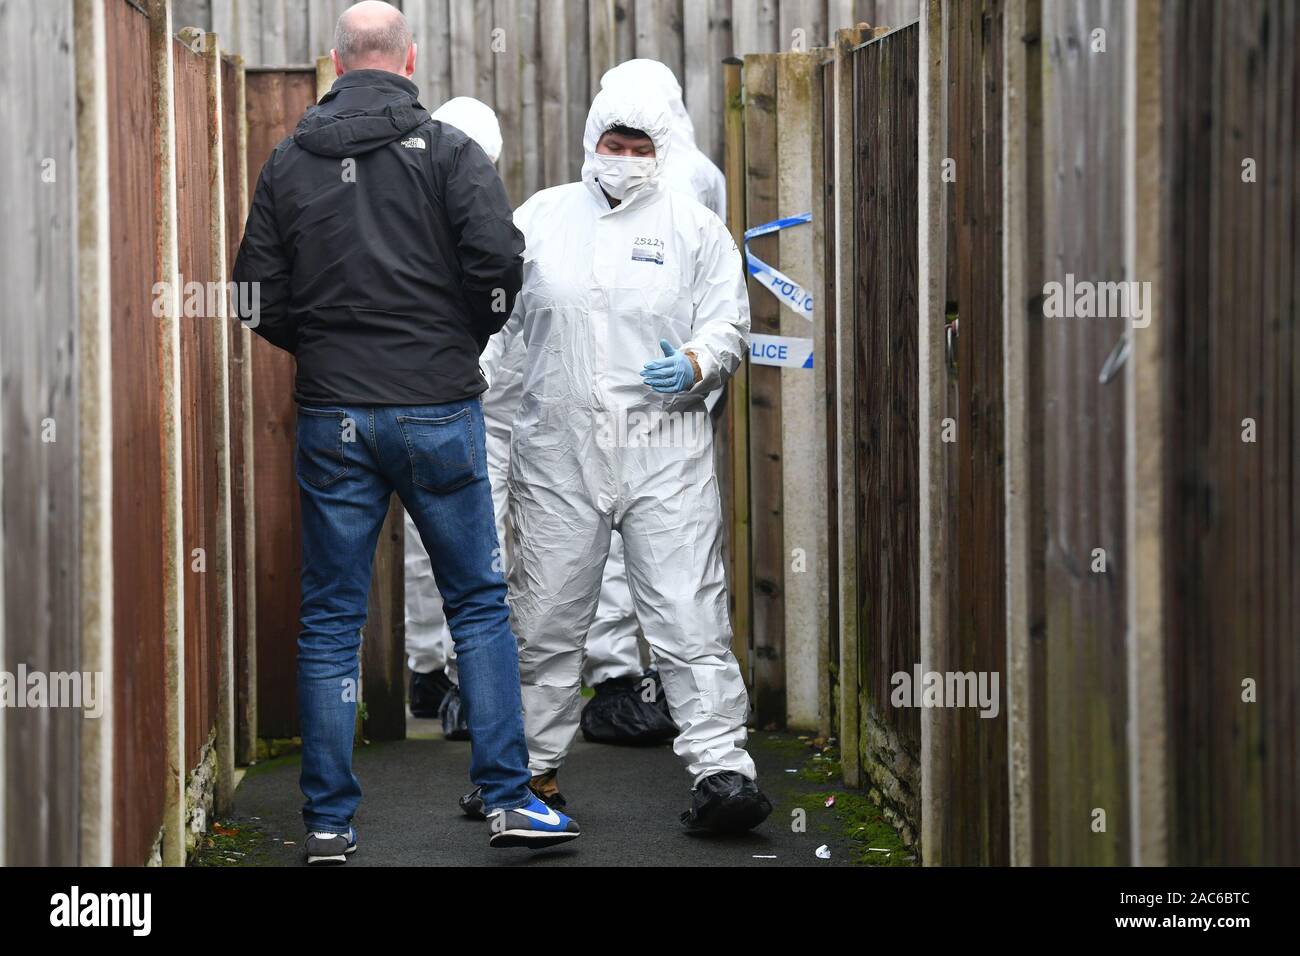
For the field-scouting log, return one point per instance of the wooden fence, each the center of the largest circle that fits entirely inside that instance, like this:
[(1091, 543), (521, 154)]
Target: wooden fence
[(779, 607), (1225, 333), (150, 505), (1093, 507), (880, 428), (538, 63), (140, 764), (275, 100), (40, 587), (1099, 510)]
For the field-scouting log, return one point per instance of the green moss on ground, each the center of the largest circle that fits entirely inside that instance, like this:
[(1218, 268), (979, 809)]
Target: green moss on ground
[(241, 844), (873, 841), (823, 768)]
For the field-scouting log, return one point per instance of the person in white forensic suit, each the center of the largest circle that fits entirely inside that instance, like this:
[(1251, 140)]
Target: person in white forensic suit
[(629, 706), (633, 310), (430, 653)]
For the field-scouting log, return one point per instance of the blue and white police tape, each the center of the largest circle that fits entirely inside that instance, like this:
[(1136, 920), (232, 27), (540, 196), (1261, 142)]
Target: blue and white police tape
[(781, 350), (782, 286)]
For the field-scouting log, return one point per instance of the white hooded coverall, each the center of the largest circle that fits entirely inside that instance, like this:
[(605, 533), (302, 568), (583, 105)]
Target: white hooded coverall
[(612, 647), (428, 639), (595, 449)]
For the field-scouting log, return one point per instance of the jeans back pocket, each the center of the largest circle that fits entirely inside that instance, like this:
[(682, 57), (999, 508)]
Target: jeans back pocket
[(443, 452), (321, 461)]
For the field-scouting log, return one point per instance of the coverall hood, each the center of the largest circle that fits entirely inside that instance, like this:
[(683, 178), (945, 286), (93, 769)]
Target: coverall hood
[(476, 120), (635, 108), (364, 110), (651, 74)]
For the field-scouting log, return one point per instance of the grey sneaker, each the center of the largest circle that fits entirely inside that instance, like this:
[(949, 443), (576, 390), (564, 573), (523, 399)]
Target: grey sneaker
[(330, 849)]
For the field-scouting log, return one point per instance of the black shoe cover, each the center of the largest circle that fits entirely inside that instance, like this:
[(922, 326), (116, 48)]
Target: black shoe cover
[(427, 693), (726, 802), (452, 715), (472, 804), (620, 713)]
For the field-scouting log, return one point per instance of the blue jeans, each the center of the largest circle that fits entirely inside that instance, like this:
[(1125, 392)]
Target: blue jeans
[(350, 460)]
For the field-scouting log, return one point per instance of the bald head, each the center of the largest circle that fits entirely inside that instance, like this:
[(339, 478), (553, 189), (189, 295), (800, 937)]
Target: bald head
[(373, 35)]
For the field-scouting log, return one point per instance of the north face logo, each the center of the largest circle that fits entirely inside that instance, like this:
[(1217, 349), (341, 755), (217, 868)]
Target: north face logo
[(413, 142)]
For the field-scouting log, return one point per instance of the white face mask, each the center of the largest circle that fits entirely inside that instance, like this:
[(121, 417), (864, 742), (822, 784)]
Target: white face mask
[(618, 175)]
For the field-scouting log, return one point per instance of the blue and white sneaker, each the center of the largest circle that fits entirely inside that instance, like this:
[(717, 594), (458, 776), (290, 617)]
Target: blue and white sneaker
[(330, 849), (534, 825)]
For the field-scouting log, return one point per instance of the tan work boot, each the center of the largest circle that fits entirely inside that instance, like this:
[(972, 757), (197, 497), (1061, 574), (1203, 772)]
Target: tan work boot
[(547, 788)]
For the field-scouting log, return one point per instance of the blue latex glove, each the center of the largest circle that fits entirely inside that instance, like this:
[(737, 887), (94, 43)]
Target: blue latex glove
[(673, 373)]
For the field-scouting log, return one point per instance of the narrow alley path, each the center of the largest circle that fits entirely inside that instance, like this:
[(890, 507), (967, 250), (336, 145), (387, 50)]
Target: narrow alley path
[(627, 800)]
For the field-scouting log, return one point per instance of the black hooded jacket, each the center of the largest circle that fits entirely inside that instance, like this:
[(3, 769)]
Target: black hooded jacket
[(383, 249)]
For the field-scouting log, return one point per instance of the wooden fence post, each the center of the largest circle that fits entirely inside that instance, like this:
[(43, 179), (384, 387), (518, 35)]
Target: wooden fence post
[(223, 798), (1144, 413), (932, 384), (803, 551), (1019, 545), (765, 452), (508, 102), (95, 438), (325, 75), (737, 393), (383, 653), (160, 50), (823, 365), (557, 138), (846, 417), (246, 657)]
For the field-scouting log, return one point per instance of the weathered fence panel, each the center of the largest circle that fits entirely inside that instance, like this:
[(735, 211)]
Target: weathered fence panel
[(275, 101), (39, 430), (883, 325), (1077, 460), (199, 368), (242, 487), (1229, 332), (835, 315), (383, 652), (766, 496), (976, 818), (140, 763), (538, 62)]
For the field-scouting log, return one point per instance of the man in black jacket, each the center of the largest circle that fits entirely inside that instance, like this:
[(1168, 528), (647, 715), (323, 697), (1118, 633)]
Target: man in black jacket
[(380, 251)]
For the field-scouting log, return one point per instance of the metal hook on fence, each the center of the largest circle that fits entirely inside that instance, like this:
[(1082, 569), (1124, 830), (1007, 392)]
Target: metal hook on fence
[(1115, 360)]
